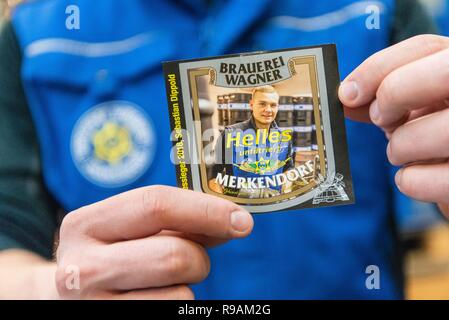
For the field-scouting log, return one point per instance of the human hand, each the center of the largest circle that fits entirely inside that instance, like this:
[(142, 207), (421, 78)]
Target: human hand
[(148, 243), (404, 90)]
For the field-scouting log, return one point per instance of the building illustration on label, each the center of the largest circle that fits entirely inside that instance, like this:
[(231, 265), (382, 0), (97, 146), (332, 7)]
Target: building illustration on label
[(332, 192)]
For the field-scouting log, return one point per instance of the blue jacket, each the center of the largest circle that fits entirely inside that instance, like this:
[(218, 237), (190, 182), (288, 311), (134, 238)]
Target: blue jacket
[(441, 14), (98, 101)]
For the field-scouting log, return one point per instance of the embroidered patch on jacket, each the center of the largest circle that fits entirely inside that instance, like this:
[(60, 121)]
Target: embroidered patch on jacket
[(113, 144)]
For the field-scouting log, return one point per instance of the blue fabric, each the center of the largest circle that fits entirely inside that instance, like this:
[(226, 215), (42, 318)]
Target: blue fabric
[(442, 17), (320, 253)]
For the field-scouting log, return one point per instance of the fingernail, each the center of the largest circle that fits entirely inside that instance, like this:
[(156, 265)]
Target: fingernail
[(398, 178), (349, 90), (374, 112), (240, 221)]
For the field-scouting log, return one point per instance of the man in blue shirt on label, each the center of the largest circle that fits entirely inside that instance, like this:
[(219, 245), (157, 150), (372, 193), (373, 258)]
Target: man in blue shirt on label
[(253, 148), (84, 126)]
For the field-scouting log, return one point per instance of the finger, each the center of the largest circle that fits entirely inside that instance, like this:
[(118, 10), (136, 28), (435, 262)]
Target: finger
[(425, 182), (358, 114), (390, 127), (425, 138), (146, 211), (179, 292), (415, 114), (205, 241), (411, 87), (444, 208), (151, 262), (360, 87)]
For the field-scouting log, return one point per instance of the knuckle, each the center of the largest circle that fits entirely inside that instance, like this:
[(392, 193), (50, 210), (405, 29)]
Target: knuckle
[(77, 222), (72, 221), (373, 64), (205, 210), (153, 201), (431, 43), (190, 261), (386, 94), (217, 212), (176, 260)]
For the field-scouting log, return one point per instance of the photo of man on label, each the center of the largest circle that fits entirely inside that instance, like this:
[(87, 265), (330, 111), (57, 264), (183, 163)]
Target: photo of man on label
[(251, 156)]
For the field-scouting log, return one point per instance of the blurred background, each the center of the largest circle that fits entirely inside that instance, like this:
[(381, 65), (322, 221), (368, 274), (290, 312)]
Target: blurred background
[(424, 232)]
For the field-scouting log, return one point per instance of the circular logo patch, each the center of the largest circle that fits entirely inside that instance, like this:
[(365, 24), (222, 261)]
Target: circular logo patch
[(113, 144)]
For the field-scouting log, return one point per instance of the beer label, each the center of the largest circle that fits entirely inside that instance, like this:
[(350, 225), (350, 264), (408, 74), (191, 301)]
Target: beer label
[(265, 130)]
